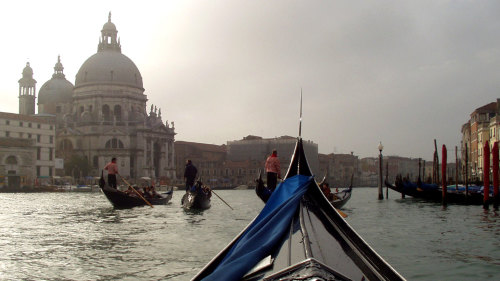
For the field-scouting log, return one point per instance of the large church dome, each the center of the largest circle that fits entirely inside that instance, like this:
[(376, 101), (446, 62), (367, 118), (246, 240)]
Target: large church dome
[(57, 89), (109, 65)]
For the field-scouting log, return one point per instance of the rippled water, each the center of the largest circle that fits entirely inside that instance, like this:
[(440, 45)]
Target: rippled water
[(79, 236)]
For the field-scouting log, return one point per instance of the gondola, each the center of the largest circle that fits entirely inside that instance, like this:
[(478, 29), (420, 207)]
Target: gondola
[(197, 198), (434, 193), (298, 236), (121, 200), (262, 191), (338, 199)]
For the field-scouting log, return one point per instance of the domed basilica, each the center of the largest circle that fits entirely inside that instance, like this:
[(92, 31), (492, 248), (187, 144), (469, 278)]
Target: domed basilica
[(105, 115)]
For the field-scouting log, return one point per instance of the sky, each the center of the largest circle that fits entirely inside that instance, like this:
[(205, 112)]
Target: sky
[(402, 73)]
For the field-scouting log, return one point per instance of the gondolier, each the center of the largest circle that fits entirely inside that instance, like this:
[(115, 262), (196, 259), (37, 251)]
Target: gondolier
[(112, 169), (190, 174), (273, 170)]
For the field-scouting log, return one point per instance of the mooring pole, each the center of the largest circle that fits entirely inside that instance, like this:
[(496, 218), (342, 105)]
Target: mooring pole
[(486, 175), (456, 168), (386, 177), (443, 174), (380, 193)]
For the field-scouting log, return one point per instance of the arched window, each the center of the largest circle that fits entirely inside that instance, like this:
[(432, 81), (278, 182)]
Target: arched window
[(118, 112), (106, 114), (114, 143), (11, 160)]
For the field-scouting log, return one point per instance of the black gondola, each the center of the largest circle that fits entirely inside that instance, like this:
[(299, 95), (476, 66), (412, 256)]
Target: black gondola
[(298, 237), (434, 193), (198, 198), (338, 199), (122, 200)]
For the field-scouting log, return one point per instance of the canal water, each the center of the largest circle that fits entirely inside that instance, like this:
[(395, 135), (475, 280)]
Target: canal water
[(79, 236)]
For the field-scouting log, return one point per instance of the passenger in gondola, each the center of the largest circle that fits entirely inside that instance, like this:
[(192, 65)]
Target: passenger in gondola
[(273, 170), (130, 191), (207, 191), (190, 174), (153, 192), (147, 193), (326, 191), (112, 169)]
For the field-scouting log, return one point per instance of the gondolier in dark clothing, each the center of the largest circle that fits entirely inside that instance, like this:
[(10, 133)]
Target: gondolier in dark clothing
[(112, 169), (273, 170), (190, 174)]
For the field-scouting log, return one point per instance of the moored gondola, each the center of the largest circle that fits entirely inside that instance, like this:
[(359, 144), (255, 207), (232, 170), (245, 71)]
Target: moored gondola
[(298, 236), (197, 198), (123, 200), (434, 193)]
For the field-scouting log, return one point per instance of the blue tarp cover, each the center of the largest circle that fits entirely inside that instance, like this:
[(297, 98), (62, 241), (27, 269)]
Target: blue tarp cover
[(266, 230)]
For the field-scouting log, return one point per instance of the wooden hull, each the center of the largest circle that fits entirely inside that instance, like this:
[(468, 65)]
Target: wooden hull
[(316, 244), (338, 201), (121, 200), (341, 198), (195, 201)]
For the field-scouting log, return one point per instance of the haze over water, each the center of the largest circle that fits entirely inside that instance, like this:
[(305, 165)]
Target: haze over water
[(79, 236)]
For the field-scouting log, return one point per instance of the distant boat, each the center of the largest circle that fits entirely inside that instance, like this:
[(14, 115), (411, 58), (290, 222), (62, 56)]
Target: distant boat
[(298, 236), (434, 193)]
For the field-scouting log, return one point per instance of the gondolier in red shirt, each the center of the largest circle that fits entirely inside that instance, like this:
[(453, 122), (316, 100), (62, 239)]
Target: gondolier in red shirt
[(112, 169), (273, 170)]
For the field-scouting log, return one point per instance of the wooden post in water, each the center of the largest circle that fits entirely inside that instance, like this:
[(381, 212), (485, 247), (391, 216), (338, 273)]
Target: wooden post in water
[(436, 156), (486, 175), (423, 171), (419, 179), (443, 175), (456, 167), (495, 175), (386, 177)]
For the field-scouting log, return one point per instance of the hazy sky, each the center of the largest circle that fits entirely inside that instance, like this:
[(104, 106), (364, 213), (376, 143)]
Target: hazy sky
[(401, 72)]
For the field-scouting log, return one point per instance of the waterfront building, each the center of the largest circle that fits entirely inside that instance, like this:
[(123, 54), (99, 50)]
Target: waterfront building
[(27, 149), (475, 133), (368, 171), (214, 167), (209, 160), (105, 115), (339, 168), (239, 162), (255, 148)]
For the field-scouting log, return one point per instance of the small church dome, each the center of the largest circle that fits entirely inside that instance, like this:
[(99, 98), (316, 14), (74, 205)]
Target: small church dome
[(57, 89)]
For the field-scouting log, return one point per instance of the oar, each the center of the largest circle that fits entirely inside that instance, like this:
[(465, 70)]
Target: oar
[(147, 202), (342, 214), (222, 200)]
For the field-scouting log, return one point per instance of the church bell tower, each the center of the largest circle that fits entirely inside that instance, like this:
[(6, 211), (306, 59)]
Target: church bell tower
[(27, 92)]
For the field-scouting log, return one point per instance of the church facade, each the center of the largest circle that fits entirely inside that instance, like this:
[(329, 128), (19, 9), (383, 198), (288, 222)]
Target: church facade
[(104, 114)]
